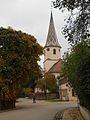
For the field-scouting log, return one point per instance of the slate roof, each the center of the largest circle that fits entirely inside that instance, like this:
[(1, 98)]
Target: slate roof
[(57, 67), (52, 40)]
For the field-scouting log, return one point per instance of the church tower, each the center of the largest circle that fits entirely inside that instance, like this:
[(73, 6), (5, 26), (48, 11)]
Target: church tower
[(52, 49)]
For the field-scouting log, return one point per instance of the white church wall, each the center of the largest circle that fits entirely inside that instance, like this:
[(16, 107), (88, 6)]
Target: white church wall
[(48, 64), (48, 53), (50, 58)]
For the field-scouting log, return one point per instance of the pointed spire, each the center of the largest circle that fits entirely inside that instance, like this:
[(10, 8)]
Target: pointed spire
[(52, 38)]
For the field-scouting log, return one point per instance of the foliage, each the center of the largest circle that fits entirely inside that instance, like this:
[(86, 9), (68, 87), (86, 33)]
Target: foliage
[(78, 22), (19, 53), (84, 83), (48, 83), (77, 70), (24, 92), (77, 31)]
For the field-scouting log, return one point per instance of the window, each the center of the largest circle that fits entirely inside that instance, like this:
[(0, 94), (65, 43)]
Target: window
[(54, 51)]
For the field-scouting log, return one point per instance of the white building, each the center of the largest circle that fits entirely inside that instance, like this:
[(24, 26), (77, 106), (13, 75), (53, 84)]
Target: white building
[(52, 49)]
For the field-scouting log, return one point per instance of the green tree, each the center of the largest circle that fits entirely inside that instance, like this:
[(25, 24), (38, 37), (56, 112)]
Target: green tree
[(49, 82), (77, 70), (77, 31), (19, 53), (78, 23)]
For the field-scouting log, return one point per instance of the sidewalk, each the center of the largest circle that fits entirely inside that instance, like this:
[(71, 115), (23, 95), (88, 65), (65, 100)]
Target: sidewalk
[(72, 114), (69, 114)]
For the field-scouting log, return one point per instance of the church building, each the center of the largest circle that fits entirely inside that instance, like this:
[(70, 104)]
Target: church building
[(53, 62), (52, 49)]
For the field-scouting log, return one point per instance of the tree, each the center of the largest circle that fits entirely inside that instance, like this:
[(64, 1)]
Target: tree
[(77, 31), (78, 22), (77, 70), (19, 53), (49, 82), (84, 83)]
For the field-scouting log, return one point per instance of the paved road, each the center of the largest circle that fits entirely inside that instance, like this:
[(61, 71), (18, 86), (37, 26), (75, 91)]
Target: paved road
[(26, 110)]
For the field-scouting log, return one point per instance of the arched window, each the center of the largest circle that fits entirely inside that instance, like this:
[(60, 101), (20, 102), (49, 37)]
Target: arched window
[(54, 51)]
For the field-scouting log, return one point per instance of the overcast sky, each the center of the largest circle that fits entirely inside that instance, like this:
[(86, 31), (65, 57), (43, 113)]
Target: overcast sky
[(32, 16)]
